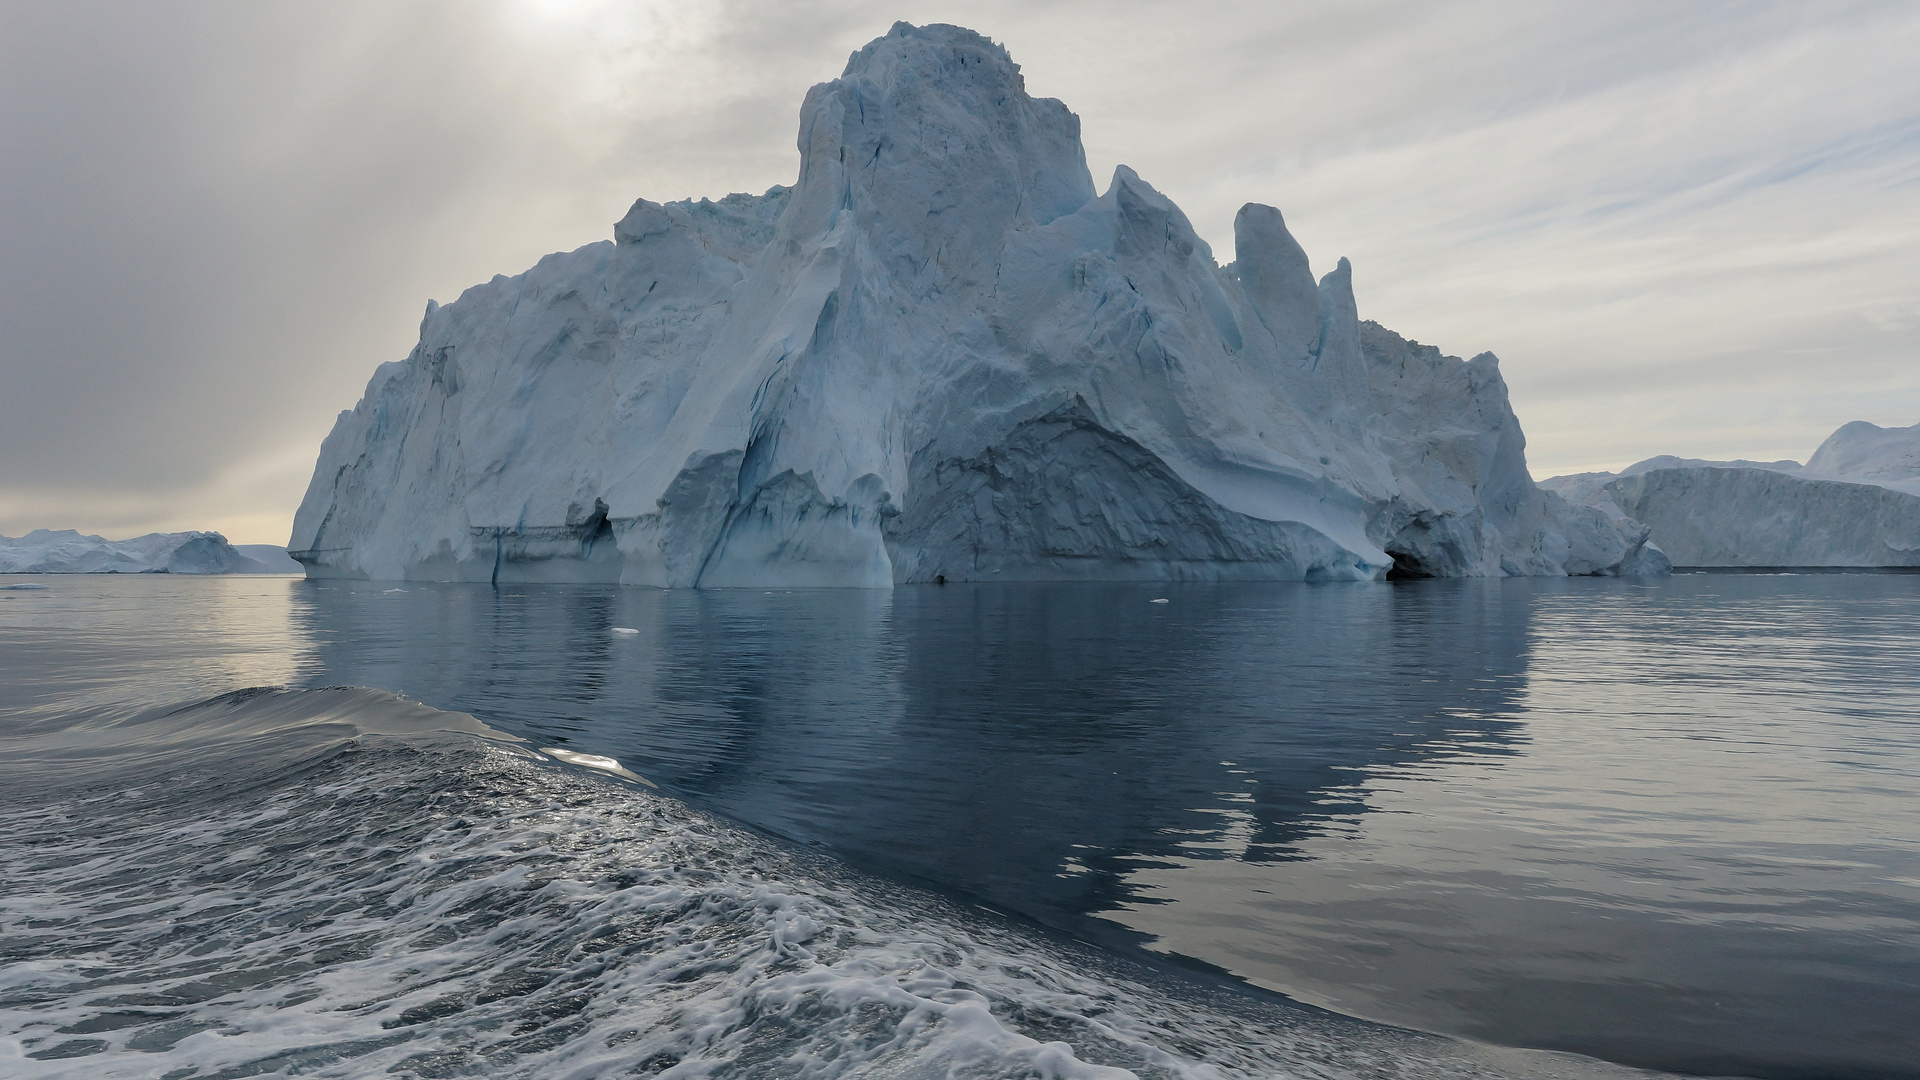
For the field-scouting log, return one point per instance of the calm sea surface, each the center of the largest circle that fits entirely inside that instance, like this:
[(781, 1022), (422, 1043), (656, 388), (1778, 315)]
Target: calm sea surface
[(1672, 824)]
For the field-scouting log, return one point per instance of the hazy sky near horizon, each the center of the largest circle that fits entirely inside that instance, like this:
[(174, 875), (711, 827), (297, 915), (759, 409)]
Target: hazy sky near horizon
[(1688, 229)]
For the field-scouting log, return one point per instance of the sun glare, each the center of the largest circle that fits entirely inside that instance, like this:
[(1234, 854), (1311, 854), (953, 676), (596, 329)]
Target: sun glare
[(556, 9)]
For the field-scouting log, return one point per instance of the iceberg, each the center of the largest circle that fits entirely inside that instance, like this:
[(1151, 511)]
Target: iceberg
[(273, 559), (66, 551), (1856, 503), (1863, 451), (940, 355)]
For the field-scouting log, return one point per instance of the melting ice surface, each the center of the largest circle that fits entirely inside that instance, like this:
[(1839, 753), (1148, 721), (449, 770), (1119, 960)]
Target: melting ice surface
[(952, 831)]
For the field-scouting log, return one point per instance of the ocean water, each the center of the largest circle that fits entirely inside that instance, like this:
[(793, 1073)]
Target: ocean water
[(254, 827)]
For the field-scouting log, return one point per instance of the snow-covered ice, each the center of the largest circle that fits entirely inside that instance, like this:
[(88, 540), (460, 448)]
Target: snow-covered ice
[(1855, 503), (1863, 451), (65, 551), (939, 355), (272, 558)]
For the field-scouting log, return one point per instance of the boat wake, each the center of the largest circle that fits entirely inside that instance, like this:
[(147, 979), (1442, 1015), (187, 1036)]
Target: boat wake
[(341, 882)]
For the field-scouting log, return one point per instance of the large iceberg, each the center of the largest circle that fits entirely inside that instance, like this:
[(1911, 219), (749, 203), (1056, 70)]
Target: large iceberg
[(939, 355), (65, 551), (1856, 503)]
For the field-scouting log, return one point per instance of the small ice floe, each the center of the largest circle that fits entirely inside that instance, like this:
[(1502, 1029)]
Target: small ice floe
[(1158, 600), (625, 630), (393, 591), (596, 762), (22, 587)]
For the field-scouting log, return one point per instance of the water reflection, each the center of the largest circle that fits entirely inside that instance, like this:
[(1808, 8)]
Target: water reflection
[(1673, 823), (1706, 860), (1031, 745), (99, 640)]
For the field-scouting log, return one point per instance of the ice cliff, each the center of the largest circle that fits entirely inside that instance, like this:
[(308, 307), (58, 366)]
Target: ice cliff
[(940, 354), (1855, 503), (44, 551)]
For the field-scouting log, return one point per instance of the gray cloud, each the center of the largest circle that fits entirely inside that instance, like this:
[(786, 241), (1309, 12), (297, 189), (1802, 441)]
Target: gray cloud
[(1684, 228)]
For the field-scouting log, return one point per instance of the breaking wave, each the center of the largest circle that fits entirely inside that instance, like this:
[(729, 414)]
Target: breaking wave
[(340, 882)]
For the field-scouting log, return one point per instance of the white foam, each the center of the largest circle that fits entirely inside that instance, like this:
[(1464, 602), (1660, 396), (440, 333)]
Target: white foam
[(596, 762), (446, 907)]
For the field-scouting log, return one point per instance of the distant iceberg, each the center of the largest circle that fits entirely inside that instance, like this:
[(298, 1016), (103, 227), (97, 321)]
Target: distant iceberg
[(45, 551), (1863, 451), (940, 355), (1856, 503), (272, 558)]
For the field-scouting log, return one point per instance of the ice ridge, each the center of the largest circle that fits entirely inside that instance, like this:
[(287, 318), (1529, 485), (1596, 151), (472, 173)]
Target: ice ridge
[(940, 355)]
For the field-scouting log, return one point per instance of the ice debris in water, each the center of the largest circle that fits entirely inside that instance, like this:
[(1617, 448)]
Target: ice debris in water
[(1856, 502), (1161, 600), (940, 354), (625, 630), (596, 762)]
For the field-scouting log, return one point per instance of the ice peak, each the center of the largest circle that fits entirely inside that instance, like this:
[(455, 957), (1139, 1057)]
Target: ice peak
[(1149, 222), (962, 50), (935, 123), (1279, 283)]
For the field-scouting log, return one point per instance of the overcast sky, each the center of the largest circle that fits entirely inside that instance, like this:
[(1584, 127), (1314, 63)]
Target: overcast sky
[(1685, 228)]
